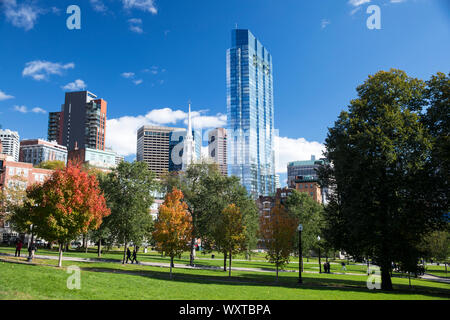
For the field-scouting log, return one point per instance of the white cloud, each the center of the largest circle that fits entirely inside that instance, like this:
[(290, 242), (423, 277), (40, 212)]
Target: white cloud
[(24, 109), (21, 16), (357, 3), (38, 110), (127, 75), (201, 121), (75, 86), (98, 5), (138, 82), (324, 23), (144, 5), (136, 25), (153, 70), (40, 70), (288, 150), (4, 96), (121, 132)]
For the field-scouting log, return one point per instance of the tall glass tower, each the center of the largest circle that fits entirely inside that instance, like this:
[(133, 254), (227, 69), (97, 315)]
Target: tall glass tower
[(250, 110)]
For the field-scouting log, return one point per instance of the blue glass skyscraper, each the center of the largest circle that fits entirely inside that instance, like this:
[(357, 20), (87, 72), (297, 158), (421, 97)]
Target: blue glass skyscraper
[(250, 111)]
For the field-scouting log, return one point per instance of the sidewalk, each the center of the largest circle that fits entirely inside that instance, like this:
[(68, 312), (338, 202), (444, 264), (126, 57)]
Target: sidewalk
[(431, 277), (182, 266)]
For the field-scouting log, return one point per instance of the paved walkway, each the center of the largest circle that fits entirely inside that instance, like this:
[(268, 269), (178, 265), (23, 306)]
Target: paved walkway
[(167, 265), (431, 277)]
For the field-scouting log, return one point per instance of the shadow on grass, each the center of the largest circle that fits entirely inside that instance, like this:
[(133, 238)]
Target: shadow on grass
[(251, 279)]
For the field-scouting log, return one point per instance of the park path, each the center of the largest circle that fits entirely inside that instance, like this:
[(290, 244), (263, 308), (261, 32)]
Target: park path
[(167, 265), (431, 277)]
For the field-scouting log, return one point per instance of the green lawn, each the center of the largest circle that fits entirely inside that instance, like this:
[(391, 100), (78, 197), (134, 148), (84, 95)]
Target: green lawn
[(257, 261), (116, 281), (438, 271)]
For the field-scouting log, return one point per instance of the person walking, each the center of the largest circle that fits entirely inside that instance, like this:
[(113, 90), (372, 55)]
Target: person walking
[(344, 268), (31, 250), (128, 255), (134, 258), (19, 245)]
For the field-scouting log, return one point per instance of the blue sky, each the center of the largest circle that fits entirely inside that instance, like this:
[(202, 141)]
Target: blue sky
[(148, 58)]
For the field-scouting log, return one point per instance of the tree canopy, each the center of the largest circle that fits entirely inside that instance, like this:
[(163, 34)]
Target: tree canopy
[(378, 153), (128, 191)]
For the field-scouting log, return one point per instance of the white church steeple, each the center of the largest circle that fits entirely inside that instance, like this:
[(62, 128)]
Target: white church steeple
[(189, 146)]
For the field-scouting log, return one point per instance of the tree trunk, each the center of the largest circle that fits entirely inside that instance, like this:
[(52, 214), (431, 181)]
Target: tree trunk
[(67, 247), (86, 245), (99, 253), (124, 252), (277, 273), (60, 255), (409, 278), (225, 261), (446, 269), (229, 267), (32, 239), (386, 281), (171, 264)]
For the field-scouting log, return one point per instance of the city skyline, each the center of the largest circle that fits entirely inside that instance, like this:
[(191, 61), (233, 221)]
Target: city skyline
[(312, 75)]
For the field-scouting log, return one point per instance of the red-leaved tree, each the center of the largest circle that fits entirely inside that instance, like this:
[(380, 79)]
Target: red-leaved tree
[(66, 205)]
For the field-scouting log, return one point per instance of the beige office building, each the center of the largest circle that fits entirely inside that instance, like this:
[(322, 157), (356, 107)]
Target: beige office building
[(153, 147)]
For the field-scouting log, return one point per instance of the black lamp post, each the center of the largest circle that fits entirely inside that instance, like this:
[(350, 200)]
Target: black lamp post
[(318, 244), (300, 254)]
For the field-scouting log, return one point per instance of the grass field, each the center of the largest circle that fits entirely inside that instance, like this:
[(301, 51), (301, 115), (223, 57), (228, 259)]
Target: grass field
[(257, 261), (115, 281)]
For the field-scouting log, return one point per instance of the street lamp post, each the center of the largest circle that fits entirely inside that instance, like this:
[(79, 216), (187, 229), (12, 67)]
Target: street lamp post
[(320, 264), (300, 254)]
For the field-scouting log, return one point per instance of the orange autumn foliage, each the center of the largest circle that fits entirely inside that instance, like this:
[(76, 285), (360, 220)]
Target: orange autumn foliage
[(173, 229)]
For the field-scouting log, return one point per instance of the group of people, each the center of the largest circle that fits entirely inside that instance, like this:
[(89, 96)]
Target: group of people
[(31, 249), (133, 257)]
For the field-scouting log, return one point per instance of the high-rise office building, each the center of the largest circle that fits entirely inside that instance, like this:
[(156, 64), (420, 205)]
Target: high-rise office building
[(83, 121), (55, 126), (217, 148), (10, 143), (250, 109), (153, 147), (36, 151)]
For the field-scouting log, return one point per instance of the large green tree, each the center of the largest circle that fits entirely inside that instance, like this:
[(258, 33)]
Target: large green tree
[(128, 191), (378, 152), (310, 214), (436, 118)]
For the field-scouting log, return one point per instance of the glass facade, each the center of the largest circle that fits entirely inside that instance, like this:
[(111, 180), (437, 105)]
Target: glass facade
[(250, 110)]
